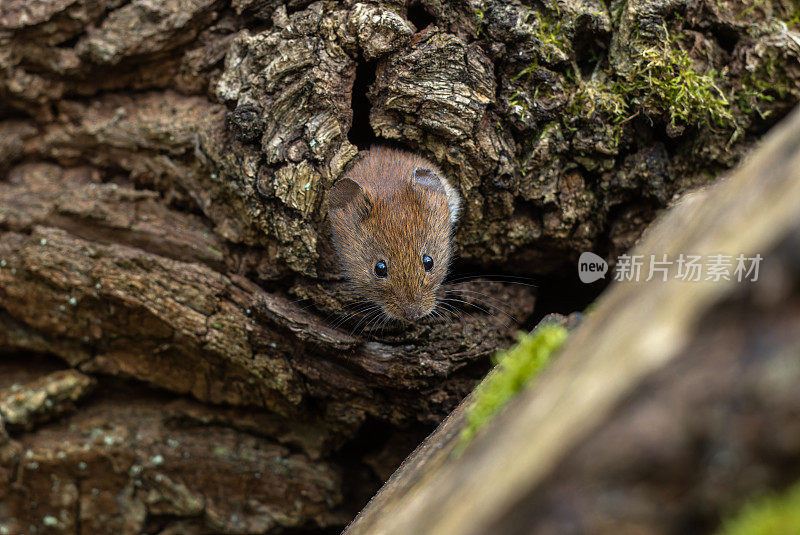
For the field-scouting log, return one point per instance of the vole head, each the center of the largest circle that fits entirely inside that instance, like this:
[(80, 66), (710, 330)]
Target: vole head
[(393, 239)]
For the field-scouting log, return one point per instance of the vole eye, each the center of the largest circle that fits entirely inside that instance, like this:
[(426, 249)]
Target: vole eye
[(381, 269), (427, 262)]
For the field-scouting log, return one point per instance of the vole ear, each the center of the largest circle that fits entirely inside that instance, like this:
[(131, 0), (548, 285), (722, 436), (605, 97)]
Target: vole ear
[(427, 178), (343, 193)]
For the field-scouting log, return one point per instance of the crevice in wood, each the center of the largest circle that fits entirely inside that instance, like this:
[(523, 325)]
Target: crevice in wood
[(361, 133), (419, 16)]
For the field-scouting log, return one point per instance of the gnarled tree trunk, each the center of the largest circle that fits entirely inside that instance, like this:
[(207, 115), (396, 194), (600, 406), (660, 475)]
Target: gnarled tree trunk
[(172, 360)]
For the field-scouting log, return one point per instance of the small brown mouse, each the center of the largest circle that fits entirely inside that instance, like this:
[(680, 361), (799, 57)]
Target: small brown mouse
[(392, 219)]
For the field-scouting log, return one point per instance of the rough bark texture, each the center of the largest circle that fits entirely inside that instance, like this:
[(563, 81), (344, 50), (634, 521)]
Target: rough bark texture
[(164, 260)]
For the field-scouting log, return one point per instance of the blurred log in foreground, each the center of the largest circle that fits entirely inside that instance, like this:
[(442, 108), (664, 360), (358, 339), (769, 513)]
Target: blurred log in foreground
[(669, 406)]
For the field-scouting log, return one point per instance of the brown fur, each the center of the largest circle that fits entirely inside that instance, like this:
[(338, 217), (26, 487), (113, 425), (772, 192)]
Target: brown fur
[(380, 212)]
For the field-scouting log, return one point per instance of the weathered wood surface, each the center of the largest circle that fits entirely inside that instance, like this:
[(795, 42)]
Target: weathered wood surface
[(672, 402), (163, 240)]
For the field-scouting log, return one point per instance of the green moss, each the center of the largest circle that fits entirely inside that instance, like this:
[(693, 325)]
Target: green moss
[(767, 82), (480, 23), (749, 10), (526, 72), (214, 251), (752, 94), (794, 17), (517, 104), (515, 368), (778, 513), (536, 91), (661, 77), (594, 97), (771, 77), (551, 30), (664, 78)]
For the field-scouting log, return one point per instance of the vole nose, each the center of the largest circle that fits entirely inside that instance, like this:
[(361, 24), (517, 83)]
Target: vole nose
[(412, 312)]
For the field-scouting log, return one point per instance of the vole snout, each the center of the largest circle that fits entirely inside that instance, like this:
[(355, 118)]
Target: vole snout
[(412, 311)]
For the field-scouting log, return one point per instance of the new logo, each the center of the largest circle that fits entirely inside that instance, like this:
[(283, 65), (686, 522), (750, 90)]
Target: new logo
[(591, 267)]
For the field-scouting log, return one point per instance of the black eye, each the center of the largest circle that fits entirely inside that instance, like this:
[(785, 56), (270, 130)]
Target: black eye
[(427, 263), (380, 269)]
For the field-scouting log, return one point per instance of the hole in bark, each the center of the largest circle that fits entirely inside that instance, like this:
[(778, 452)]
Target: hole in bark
[(71, 42), (255, 25), (652, 129), (25, 366), (590, 44), (727, 39), (293, 6), (565, 294), (374, 437), (9, 112), (777, 113), (419, 16), (562, 293), (590, 57), (361, 134), (256, 18)]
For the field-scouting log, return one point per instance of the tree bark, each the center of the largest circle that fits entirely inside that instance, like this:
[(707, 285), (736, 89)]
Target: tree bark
[(174, 359)]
